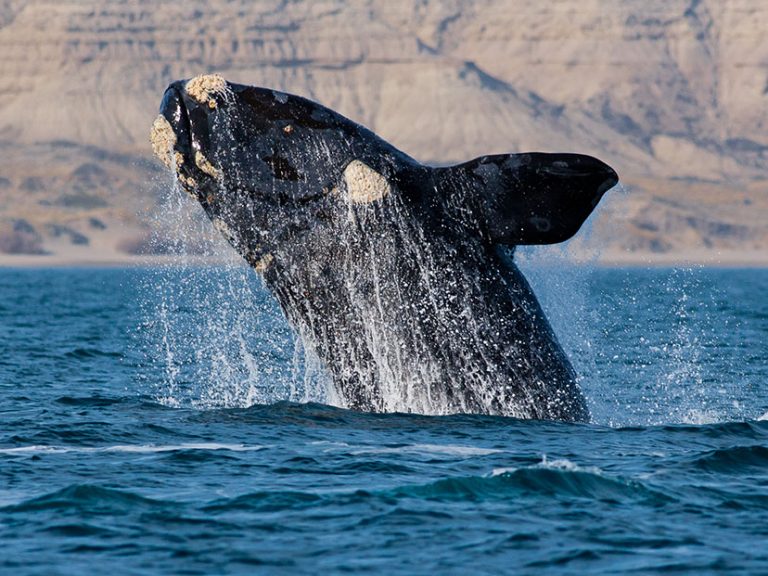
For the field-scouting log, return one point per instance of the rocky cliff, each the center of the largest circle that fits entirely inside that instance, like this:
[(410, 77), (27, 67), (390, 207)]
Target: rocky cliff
[(672, 93)]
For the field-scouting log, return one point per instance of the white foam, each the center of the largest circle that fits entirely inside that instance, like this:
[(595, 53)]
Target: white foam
[(566, 465), (701, 417), (131, 448), (330, 446), (444, 449), (764, 417), (35, 449), (562, 464)]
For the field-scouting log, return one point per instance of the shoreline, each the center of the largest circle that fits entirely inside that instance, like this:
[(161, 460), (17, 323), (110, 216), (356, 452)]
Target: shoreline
[(704, 259)]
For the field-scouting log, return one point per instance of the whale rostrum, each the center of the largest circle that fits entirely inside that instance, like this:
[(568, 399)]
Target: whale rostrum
[(399, 276)]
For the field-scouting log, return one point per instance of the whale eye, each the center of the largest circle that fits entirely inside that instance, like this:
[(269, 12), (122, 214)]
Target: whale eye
[(282, 169)]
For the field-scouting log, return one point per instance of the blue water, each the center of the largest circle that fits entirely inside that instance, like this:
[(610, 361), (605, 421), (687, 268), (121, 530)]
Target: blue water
[(141, 433)]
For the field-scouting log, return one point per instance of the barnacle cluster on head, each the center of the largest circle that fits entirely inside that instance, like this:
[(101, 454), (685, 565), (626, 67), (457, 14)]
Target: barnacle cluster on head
[(163, 139), (202, 162), (203, 88)]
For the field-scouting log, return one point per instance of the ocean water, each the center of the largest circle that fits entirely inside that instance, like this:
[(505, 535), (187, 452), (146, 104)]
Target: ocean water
[(165, 421)]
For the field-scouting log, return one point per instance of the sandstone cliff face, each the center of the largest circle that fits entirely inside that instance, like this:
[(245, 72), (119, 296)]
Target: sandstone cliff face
[(673, 93)]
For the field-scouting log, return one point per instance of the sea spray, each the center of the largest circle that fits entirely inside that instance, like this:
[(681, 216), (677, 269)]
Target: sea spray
[(221, 339), (673, 367), (216, 335)]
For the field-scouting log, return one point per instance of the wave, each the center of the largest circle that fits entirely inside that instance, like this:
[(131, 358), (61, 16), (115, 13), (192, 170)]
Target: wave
[(84, 353), (265, 501), (743, 429), (554, 479), (437, 449), (328, 416), (128, 448), (533, 481), (734, 460), (86, 498), (312, 413), (138, 402)]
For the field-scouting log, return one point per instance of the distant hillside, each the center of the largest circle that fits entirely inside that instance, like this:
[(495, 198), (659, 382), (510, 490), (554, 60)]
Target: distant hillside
[(674, 94)]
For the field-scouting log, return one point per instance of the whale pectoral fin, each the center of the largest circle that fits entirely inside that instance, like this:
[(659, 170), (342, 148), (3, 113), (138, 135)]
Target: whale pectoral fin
[(532, 198)]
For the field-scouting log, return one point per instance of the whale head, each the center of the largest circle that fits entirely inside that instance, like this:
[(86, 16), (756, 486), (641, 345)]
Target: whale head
[(265, 165)]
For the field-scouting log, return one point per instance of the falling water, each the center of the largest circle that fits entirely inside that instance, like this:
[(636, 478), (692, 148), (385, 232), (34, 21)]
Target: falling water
[(211, 327), (673, 375)]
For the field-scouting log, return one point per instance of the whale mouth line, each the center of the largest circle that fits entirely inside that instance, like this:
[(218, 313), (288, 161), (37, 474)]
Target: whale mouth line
[(174, 144), (175, 112)]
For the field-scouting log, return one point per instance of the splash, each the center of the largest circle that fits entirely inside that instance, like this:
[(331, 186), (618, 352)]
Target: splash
[(210, 328), (220, 340), (672, 374), (392, 305)]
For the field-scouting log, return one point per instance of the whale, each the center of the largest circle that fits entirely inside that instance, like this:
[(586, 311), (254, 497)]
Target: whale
[(398, 276)]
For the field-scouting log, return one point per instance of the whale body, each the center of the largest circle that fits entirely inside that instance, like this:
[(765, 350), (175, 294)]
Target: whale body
[(399, 276)]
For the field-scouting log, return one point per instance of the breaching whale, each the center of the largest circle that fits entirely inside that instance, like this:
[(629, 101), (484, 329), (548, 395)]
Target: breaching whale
[(398, 275)]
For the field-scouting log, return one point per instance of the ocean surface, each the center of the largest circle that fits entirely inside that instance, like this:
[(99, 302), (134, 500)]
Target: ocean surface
[(164, 421)]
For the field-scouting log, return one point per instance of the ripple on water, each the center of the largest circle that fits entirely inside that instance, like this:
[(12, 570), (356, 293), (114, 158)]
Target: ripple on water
[(97, 476)]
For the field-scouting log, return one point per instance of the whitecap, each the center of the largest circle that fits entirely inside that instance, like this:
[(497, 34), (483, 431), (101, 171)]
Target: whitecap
[(442, 449), (131, 448), (502, 471), (561, 464), (566, 465), (36, 449)]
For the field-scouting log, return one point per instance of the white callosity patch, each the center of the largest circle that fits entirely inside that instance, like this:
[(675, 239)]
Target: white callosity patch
[(189, 184), (203, 88), (204, 165), (260, 264), (225, 230), (364, 184), (163, 139), (263, 263)]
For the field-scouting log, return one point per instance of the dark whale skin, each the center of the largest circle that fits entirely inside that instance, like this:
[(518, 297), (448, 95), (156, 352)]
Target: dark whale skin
[(399, 276)]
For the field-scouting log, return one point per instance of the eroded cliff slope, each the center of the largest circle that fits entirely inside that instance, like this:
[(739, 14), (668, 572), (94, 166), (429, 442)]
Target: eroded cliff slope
[(672, 93)]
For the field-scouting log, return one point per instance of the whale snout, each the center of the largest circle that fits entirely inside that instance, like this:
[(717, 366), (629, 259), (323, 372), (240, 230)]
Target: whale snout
[(180, 135)]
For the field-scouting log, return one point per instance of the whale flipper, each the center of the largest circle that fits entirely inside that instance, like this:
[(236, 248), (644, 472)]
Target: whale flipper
[(532, 198)]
